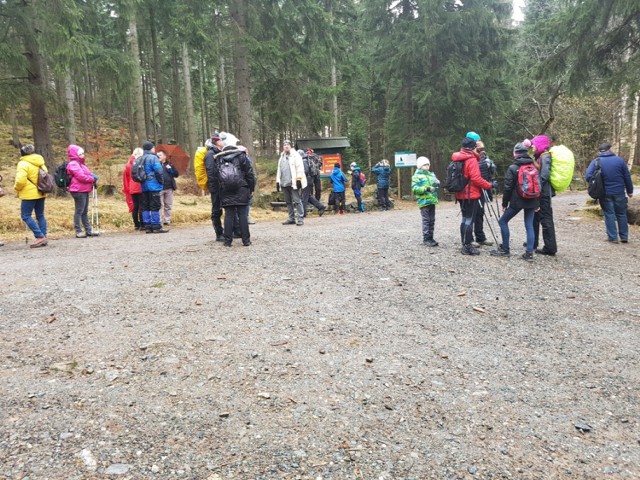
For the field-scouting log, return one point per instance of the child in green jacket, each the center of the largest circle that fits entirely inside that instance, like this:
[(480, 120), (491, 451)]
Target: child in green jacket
[(424, 186)]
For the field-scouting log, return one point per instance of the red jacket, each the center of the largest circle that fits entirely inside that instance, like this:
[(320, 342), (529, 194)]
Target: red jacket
[(471, 170), (130, 187)]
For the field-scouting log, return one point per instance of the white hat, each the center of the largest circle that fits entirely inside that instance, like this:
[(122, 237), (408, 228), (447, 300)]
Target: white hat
[(229, 139), (422, 161), (353, 165)]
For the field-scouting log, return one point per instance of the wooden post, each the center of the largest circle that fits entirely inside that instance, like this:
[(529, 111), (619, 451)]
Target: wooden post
[(399, 184)]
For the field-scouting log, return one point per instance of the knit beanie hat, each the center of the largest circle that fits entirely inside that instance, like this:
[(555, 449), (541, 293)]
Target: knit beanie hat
[(468, 143), (473, 135), (519, 149), (605, 147), (422, 161), (540, 143), (148, 145), (27, 149)]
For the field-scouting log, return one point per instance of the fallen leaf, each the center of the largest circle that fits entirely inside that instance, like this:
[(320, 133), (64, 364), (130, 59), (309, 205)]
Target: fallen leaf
[(451, 270), (221, 277), (278, 344), (479, 309), (462, 293), (198, 302), (264, 395), (51, 319)]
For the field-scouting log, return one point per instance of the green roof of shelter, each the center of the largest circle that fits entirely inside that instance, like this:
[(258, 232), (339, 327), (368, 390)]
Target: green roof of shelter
[(323, 143)]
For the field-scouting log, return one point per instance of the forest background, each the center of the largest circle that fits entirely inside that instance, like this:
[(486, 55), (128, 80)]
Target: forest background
[(389, 75)]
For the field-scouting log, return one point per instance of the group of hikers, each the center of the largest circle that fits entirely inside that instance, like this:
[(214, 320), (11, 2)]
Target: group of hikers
[(540, 168), (224, 168)]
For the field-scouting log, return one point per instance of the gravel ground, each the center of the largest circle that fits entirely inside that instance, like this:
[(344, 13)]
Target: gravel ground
[(344, 349)]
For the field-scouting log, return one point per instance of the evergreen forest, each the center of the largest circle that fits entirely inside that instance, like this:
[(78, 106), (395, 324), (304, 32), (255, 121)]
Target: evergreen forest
[(388, 74)]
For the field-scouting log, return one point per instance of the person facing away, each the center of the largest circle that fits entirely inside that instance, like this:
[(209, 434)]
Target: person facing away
[(513, 202), (424, 186), (291, 178), (215, 146), (356, 185), (315, 169), (133, 191), (169, 175), (237, 183), (307, 193), (469, 195), (544, 216), (81, 182), (31, 199), (617, 183), (487, 171), (382, 170), (151, 190), (339, 180)]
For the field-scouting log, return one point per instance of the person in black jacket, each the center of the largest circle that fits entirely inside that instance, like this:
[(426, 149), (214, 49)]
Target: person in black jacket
[(513, 202), (236, 182), (215, 146), (169, 174)]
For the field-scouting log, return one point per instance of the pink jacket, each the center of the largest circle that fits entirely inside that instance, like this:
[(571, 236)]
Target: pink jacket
[(81, 178)]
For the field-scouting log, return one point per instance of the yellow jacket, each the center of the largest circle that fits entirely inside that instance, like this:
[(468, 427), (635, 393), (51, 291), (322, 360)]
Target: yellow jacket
[(27, 177), (199, 167)]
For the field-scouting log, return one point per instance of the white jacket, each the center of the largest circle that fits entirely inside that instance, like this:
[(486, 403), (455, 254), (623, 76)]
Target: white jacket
[(297, 169)]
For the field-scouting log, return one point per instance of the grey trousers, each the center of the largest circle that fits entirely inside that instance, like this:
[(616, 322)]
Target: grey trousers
[(294, 204)]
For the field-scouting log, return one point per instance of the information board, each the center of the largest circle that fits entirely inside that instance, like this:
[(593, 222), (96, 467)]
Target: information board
[(405, 159), (328, 161)]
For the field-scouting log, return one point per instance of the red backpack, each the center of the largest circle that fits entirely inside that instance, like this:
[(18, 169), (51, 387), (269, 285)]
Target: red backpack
[(528, 181)]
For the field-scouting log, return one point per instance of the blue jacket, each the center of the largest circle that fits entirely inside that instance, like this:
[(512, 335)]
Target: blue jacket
[(615, 173), (153, 169), (338, 179), (384, 175)]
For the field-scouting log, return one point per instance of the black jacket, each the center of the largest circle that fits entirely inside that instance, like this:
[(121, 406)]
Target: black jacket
[(211, 166), (242, 195), (169, 177), (511, 197)]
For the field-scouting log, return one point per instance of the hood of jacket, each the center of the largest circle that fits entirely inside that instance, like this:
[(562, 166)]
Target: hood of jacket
[(540, 144), (522, 160), (34, 159), (463, 155), (73, 153)]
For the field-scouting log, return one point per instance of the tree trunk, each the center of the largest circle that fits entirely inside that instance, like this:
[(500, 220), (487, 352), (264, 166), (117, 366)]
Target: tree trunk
[(37, 87), (191, 116), (203, 107), (83, 114), (91, 104), (132, 123), (15, 135), (334, 98), (634, 132), (70, 117), (138, 111), (157, 67), (222, 96), (241, 73), (175, 101)]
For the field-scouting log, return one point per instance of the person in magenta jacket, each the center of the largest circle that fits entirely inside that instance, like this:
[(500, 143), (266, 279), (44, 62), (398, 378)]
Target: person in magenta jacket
[(81, 182)]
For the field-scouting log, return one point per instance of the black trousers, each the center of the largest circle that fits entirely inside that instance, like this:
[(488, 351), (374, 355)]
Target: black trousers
[(383, 198), (216, 213), (544, 217), (468, 209), (339, 196), (308, 198), (317, 186), (230, 214)]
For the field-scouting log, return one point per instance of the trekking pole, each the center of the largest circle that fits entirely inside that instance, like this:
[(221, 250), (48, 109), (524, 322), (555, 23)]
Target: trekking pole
[(95, 219), (487, 217)]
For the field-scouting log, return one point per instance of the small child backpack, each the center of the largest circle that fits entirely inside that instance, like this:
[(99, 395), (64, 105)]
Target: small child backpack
[(363, 180), (62, 177), (528, 181)]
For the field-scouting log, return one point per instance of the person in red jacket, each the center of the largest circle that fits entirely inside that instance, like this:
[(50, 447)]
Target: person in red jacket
[(470, 194), (133, 191)]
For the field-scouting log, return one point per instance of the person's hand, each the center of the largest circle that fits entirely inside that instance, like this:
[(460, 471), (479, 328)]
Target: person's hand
[(536, 209), (494, 184), (277, 187), (299, 184), (630, 195), (95, 178)]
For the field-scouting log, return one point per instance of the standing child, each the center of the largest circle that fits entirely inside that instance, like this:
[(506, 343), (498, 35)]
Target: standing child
[(383, 171), (357, 184), (424, 186), (339, 180), (518, 196)]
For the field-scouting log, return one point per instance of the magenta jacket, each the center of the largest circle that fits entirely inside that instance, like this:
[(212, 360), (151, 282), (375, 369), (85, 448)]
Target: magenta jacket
[(82, 179)]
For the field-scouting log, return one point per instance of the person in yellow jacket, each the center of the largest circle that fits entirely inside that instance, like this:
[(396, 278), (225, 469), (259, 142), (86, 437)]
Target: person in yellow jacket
[(32, 199)]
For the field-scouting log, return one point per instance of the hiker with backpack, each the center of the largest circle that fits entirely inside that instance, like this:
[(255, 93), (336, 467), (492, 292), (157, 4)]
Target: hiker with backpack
[(521, 192), (358, 182), (291, 178), (148, 171), (215, 146), (236, 182), (487, 171), (339, 180), (307, 192), (169, 175), (383, 172), (81, 182), (617, 182), (544, 216), (463, 178), (315, 169), (133, 191), (424, 185), (32, 199)]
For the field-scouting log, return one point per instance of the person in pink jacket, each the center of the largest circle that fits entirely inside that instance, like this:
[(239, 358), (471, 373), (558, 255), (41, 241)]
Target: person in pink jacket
[(133, 191), (81, 182)]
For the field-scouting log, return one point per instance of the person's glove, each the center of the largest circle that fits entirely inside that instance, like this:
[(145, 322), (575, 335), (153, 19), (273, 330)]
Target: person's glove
[(277, 187), (299, 184), (494, 184), (95, 178)]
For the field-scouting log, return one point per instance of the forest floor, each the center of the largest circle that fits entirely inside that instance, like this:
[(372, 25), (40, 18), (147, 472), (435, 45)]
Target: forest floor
[(343, 349)]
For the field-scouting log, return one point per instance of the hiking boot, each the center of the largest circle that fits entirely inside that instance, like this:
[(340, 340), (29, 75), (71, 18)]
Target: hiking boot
[(615, 240), (623, 240), (486, 243), (544, 251), (40, 242), (321, 211), (251, 221), (431, 242), (219, 238), (247, 244), (93, 234), (528, 256), (148, 230), (299, 224), (289, 222), (469, 250), (159, 230), (475, 244), (500, 252), (81, 235), (227, 244)]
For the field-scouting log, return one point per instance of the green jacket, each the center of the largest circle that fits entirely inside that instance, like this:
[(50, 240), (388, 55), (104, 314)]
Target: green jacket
[(421, 184)]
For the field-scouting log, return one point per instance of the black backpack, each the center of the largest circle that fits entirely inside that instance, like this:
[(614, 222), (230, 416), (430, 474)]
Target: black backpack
[(456, 181), (230, 177), (138, 173), (596, 183), (62, 177)]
